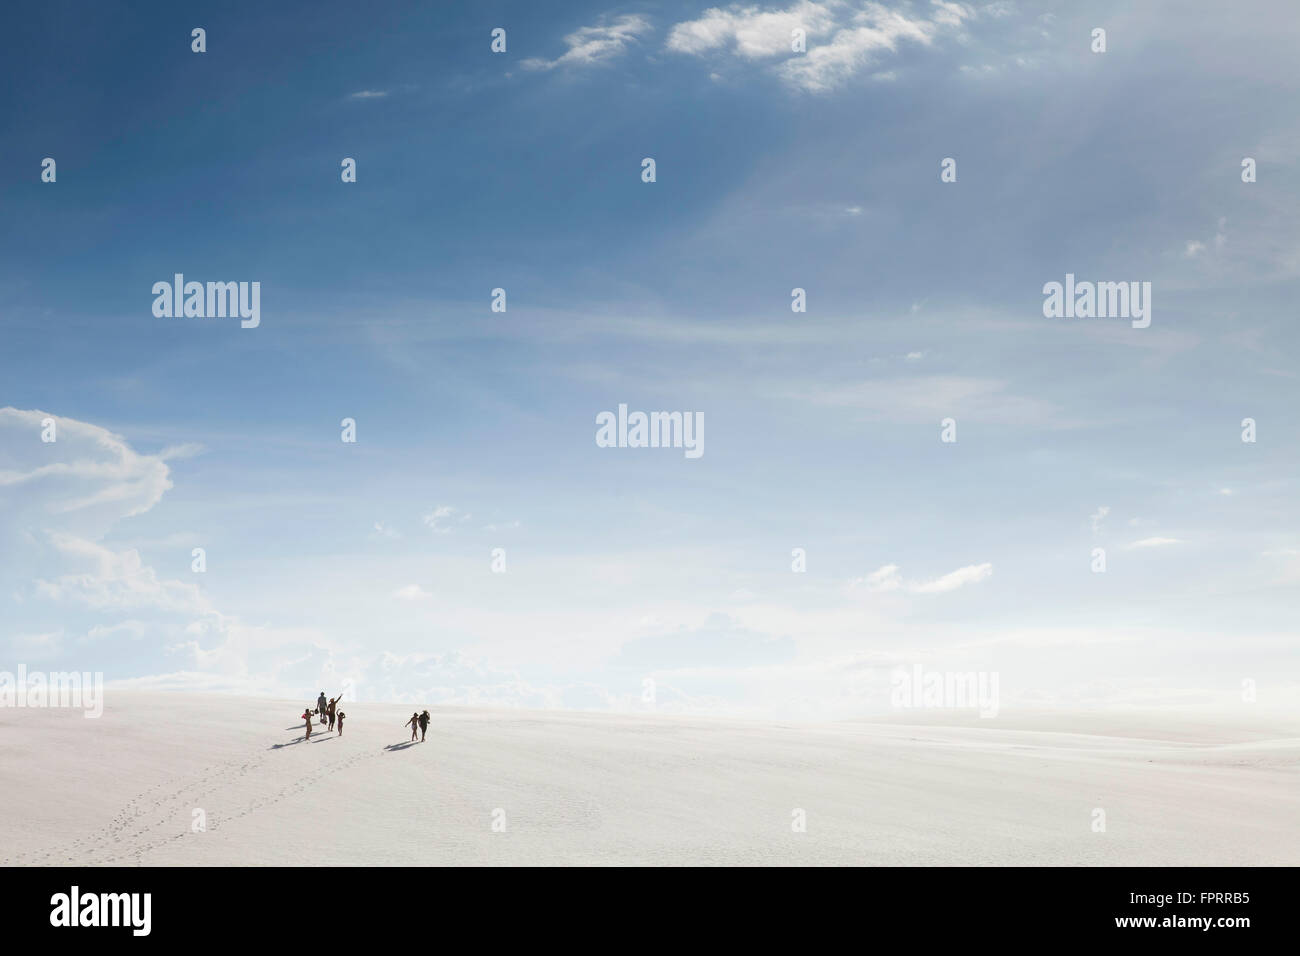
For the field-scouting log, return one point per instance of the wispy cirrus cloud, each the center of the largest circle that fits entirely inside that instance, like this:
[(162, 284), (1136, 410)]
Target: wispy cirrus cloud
[(1154, 543), (929, 398), (890, 578), (445, 517), (99, 469), (953, 580), (189, 449), (596, 44), (1098, 517)]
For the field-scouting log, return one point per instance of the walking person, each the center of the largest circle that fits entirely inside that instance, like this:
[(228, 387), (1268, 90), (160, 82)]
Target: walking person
[(414, 724), (330, 709), (306, 715), (340, 717), (424, 724), (320, 705)]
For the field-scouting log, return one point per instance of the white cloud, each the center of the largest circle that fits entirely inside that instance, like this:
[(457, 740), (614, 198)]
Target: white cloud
[(750, 32), (950, 14), (876, 31), (592, 45), (382, 530), (131, 629), (1096, 519), (889, 578), (444, 517), (1194, 248), (28, 643), (886, 578), (843, 38), (112, 580), (1154, 543), (368, 95), (955, 579), (930, 398), (187, 449), (412, 592), (92, 467)]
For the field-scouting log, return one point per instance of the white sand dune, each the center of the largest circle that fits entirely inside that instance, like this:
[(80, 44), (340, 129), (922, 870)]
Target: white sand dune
[(580, 788)]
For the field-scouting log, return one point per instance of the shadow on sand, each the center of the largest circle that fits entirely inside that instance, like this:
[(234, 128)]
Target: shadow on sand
[(315, 738), (401, 746)]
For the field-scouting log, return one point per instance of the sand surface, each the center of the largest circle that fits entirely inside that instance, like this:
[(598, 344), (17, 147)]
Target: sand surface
[(580, 788)]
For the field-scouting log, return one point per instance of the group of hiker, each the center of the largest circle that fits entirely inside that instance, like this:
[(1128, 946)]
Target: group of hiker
[(327, 712)]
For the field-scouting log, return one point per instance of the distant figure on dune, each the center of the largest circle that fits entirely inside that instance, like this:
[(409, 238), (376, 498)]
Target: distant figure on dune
[(414, 724), (424, 725), (341, 715), (306, 715)]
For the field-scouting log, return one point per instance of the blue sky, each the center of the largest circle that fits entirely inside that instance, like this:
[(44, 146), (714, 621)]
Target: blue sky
[(371, 561)]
